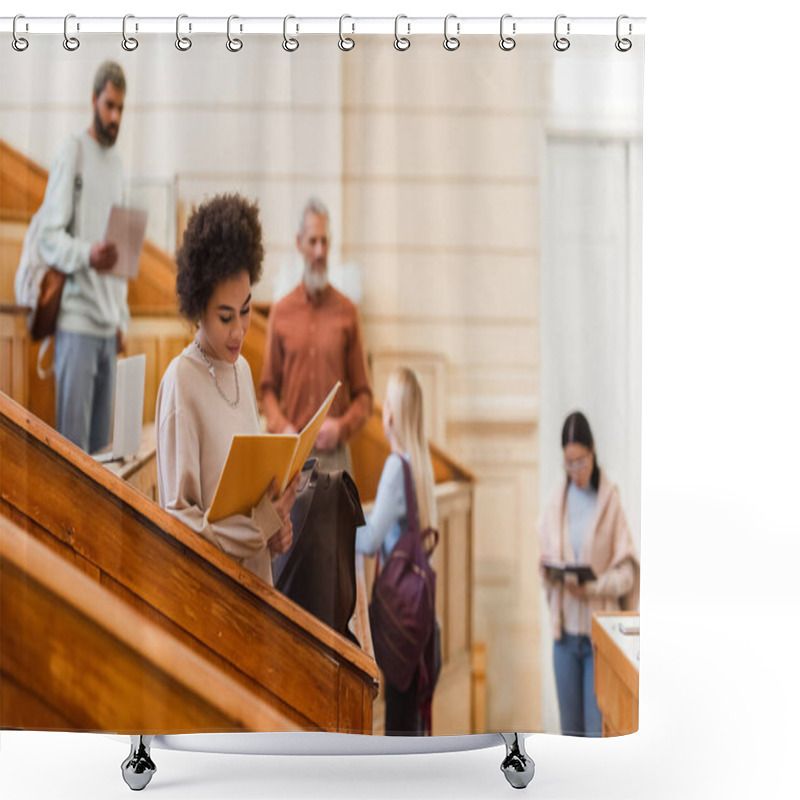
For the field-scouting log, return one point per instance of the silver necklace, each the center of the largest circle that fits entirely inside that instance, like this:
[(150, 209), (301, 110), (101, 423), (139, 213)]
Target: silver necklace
[(212, 372)]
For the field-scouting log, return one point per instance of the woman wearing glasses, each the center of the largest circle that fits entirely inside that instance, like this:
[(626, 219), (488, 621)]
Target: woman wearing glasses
[(583, 524)]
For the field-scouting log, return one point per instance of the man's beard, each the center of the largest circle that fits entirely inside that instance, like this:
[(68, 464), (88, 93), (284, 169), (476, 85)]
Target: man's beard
[(315, 281), (105, 136)]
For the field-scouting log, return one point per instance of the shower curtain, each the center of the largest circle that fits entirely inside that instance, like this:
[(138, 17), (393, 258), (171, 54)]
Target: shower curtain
[(485, 220)]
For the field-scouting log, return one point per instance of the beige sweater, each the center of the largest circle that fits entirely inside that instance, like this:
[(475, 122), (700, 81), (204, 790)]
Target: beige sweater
[(607, 547), (194, 428)]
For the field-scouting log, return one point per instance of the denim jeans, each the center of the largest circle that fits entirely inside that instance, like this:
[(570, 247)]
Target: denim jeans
[(573, 661), (85, 367)]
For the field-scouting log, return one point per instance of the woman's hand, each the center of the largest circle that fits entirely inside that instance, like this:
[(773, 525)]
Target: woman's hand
[(283, 504), (281, 541)]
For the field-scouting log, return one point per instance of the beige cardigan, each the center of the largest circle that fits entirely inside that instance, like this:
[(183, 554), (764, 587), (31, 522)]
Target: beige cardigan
[(607, 547)]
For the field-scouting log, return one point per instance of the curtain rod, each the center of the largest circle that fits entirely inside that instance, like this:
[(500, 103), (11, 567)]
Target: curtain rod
[(347, 25)]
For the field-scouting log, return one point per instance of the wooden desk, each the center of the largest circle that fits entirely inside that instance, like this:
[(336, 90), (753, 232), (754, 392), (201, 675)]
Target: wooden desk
[(616, 672)]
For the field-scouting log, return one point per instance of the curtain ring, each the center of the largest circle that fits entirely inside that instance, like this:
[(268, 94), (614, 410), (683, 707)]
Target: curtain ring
[(183, 43), (18, 42), (129, 43), (623, 45), (233, 44), (289, 44), (345, 42), (561, 43), (401, 43), (71, 43), (451, 43), (507, 42)]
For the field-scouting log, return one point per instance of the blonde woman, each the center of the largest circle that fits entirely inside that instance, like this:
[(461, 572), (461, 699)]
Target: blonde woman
[(404, 428)]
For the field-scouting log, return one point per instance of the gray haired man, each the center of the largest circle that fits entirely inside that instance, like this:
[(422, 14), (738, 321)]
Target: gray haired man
[(85, 181)]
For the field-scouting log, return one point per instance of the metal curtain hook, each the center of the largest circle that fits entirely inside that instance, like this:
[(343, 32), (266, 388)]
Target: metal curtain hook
[(507, 42), (289, 44), (70, 42), (183, 43), (451, 43), (401, 42), (129, 43), (345, 42), (18, 42), (561, 43), (623, 45), (233, 44)]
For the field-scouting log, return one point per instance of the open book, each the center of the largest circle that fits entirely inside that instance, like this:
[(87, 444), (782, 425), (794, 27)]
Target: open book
[(556, 570), (254, 461)]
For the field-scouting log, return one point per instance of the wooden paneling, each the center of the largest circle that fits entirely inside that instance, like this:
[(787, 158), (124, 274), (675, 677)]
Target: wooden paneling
[(78, 657), (160, 338), (12, 235), (178, 578), (14, 354)]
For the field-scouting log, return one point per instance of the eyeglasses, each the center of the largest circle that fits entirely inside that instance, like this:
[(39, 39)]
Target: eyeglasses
[(578, 465)]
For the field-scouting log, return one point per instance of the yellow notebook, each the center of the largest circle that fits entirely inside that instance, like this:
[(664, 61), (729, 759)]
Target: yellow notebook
[(254, 461)]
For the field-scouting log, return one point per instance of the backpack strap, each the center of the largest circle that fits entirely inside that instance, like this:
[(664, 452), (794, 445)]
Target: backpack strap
[(77, 186), (412, 512)]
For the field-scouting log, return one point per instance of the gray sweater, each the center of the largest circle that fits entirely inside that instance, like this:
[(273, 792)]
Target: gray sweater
[(92, 303)]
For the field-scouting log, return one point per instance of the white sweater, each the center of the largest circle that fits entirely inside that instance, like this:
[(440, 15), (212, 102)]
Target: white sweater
[(194, 428), (92, 303)]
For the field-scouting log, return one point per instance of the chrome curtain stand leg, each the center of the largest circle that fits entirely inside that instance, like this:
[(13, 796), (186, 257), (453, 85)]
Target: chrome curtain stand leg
[(517, 766), (138, 768)]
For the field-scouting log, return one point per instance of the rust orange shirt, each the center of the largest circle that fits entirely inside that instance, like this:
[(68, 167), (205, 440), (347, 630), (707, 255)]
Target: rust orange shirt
[(311, 344)]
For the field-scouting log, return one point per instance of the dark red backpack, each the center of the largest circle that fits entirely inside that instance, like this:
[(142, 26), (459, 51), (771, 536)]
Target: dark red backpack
[(402, 613)]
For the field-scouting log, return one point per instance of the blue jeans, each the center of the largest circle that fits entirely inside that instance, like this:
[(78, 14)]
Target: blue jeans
[(573, 661), (84, 367)]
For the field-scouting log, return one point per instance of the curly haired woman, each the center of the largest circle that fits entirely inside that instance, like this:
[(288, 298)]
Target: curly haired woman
[(207, 395)]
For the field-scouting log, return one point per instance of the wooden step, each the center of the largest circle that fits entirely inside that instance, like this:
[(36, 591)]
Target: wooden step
[(119, 538), (75, 656)]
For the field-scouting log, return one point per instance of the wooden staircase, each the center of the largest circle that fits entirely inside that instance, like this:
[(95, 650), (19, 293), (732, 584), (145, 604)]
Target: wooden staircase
[(64, 516), (102, 666)]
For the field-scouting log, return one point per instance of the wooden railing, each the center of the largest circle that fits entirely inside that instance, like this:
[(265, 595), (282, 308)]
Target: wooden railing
[(73, 656), (87, 517)]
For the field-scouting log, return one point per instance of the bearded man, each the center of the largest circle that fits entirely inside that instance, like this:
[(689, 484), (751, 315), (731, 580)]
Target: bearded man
[(314, 339), (85, 181)]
